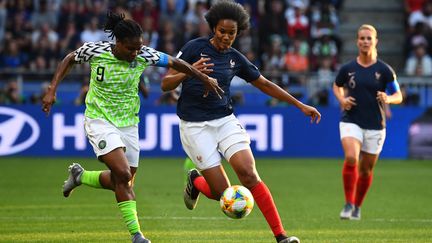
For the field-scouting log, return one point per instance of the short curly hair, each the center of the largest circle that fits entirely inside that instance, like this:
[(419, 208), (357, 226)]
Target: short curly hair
[(226, 9)]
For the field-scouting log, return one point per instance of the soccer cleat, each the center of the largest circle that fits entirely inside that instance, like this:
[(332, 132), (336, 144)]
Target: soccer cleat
[(139, 238), (356, 213), (291, 239), (347, 211), (190, 194), (74, 179)]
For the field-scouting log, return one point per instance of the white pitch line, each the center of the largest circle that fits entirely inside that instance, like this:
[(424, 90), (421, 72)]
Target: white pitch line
[(177, 218)]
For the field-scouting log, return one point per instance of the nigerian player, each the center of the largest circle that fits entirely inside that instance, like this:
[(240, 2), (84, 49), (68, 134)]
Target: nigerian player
[(112, 105), (208, 127), (363, 88)]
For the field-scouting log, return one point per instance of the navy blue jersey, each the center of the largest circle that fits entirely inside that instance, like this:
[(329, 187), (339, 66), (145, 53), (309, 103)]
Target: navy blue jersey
[(363, 83), (192, 106)]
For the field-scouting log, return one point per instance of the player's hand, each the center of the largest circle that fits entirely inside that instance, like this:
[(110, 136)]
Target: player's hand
[(211, 85), (203, 65), (382, 97), (48, 100), (312, 112), (348, 102)]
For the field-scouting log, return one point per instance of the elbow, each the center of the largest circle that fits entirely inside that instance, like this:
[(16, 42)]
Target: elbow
[(165, 87)]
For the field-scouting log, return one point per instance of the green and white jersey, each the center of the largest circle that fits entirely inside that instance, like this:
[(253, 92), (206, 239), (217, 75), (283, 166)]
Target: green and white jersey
[(113, 91)]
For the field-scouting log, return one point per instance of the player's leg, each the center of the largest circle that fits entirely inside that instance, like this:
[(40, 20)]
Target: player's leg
[(121, 177), (371, 149), (243, 164), (234, 146), (351, 137), (200, 144), (211, 183), (96, 131)]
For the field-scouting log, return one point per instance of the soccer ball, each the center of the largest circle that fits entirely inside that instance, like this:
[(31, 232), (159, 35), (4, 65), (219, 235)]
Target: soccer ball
[(236, 202)]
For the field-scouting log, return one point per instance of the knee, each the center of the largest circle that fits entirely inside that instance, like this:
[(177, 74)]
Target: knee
[(351, 159), (248, 178), (123, 176)]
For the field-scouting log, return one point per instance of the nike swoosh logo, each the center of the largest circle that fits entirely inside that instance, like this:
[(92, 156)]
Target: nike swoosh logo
[(203, 55)]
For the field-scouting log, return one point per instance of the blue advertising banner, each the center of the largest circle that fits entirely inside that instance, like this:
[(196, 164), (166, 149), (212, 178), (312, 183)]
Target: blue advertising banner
[(275, 132)]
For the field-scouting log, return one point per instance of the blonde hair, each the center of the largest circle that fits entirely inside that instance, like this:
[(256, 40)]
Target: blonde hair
[(374, 32), (368, 27)]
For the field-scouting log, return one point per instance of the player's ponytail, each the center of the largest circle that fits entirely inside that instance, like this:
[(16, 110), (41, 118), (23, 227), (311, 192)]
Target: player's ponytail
[(121, 28)]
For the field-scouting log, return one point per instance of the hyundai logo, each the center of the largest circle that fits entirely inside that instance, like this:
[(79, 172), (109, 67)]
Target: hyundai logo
[(12, 128)]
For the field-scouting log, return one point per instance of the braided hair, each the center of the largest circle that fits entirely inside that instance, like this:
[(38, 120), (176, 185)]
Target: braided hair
[(121, 28), (226, 9)]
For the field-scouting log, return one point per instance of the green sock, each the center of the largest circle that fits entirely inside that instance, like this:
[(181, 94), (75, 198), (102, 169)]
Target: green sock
[(91, 178), (188, 165), (129, 212)]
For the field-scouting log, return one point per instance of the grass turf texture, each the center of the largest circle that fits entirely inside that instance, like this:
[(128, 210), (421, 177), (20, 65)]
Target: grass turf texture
[(308, 193)]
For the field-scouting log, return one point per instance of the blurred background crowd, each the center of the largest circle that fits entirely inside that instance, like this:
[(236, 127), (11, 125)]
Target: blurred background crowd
[(295, 43)]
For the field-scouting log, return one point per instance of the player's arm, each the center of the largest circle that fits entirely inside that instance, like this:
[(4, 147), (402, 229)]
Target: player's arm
[(393, 89), (346, 103), (174, 78), (273, 90), (210, 83), (62, 70)]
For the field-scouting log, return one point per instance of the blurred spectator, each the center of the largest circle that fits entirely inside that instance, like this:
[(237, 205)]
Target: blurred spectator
[(319, 89), (13, 58), (150, 35), (3, 15), (424, 15), (420, 63), (36, 98), (44, 14), (419, 36), (93, 32), (69, 39), (295, 60), (272, 23), (274, 58), (172, 12), (72, 11), (44, 33), (413, 5), (324, 46), (297, 21), (12, 93), (324, 18)]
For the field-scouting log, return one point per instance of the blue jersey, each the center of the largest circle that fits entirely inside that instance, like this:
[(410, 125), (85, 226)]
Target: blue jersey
[(363, 83), (192, 106)]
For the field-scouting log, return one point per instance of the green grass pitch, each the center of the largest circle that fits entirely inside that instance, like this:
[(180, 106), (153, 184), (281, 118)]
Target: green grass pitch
[(308, 193)]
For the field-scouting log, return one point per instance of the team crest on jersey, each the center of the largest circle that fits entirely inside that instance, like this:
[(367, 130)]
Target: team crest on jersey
[(377, 75), (232, 63), (133, 64)]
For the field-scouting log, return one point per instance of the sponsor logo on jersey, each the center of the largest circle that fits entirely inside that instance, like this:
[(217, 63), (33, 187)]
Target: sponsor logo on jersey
[(18, 131)]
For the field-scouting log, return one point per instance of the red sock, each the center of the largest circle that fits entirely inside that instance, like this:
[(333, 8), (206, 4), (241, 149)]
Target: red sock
[(363, 185), (349, 176), (201, 184), (264, 200)]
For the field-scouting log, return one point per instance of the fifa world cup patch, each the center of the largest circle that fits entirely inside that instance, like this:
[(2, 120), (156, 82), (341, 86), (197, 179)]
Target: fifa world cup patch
[(102, 144)]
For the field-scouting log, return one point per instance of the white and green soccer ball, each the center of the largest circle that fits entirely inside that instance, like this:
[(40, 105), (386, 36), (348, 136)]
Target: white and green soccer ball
[(236, 202)]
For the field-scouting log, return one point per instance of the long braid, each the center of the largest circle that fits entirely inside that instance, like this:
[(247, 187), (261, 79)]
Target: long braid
[(121, 28)]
